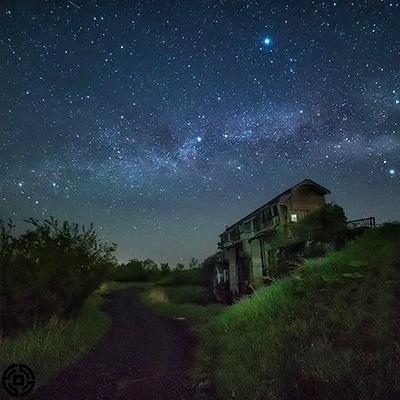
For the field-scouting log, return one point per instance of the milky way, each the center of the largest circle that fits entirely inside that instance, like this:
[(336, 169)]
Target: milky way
[(162, 121)]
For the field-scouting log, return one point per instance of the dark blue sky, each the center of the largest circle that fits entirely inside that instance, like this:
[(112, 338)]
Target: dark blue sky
[(162, 121)]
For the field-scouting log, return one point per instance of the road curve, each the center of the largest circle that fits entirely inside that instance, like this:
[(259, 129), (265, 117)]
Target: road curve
[(142, 357)]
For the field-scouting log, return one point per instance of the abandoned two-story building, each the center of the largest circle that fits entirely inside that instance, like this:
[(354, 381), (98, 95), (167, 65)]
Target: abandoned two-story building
[(248, 245)]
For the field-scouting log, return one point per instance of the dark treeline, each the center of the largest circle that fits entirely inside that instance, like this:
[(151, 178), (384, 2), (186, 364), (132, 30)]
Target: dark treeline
[(49, 270), (53, 267), (147, 270)]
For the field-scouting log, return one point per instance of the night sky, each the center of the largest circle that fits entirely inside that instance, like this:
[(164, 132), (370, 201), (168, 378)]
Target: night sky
[(162, 121)]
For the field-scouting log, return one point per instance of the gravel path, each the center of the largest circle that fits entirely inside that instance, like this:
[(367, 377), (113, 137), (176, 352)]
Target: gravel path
[(142, 357)]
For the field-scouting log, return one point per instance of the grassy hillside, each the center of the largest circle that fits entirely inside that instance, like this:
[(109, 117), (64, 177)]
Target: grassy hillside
[(331, 331)]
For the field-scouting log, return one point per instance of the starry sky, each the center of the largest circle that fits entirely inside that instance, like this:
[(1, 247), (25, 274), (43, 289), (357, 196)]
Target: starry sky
[(163, 121)]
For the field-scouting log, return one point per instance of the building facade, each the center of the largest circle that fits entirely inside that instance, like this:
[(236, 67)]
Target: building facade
[(248, 249)]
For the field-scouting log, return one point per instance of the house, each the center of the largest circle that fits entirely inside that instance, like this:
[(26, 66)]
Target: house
[(248, 245)]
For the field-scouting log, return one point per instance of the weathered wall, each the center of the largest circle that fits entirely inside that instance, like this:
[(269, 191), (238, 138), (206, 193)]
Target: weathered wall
[(257, 271), (304, 198), (230, 255)]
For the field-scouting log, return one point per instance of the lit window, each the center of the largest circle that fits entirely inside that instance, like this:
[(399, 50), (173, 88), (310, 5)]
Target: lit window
[(293, 217)]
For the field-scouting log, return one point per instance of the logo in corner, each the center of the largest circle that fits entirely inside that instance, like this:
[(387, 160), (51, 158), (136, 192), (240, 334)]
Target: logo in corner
[(18, 380)]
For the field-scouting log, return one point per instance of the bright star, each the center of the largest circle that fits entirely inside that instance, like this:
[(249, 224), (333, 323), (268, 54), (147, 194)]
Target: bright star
[(199, 139), (267, 41), (392, 171)]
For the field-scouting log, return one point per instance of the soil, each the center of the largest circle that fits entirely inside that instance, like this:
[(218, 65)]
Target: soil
[(142, 357)]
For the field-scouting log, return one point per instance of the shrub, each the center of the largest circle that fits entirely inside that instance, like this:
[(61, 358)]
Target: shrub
[(192, 276), (165, 269), (136, 271), (323, 225), (329, 331), (180, 267), (49, 270), (49, 347), (199, 276)]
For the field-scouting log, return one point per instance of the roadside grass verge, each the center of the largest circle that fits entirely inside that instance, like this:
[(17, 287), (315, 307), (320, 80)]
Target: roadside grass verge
[(182, 302), (330, 331), (111, 286), (173, 302), (47, 348), (183, 294), (193, 277)]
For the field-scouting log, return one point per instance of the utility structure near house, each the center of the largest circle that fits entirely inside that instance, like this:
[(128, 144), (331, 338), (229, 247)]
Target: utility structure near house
[(248, 246)]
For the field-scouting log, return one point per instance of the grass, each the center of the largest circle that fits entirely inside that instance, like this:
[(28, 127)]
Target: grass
[(111, 286), (331, 331), (182, 302), (183, 294), (47, 348), (192, 277)]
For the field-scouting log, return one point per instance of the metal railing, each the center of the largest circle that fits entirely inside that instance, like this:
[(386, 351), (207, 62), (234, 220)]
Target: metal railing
[(362, 223)]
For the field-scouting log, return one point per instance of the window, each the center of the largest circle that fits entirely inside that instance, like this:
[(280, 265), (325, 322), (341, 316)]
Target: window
[(234, 235), (247, 226)]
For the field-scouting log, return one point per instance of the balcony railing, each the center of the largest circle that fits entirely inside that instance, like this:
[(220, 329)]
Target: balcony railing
[(361, 223)]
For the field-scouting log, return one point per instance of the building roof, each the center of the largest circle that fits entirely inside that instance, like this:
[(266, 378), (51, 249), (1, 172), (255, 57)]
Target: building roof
[(305, 182)]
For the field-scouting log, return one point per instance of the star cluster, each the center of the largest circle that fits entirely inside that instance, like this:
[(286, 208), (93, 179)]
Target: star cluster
[(163, 121)]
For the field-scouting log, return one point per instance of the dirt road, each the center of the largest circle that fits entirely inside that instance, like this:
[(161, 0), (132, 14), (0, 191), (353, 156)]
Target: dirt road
[(143, 357)]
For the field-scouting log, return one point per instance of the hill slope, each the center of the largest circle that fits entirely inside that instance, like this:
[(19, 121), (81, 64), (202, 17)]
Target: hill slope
[(331, 331)]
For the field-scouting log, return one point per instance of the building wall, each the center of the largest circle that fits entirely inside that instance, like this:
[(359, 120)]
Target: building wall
[(257, 270), (230, 256), (303, 198), (300, 200)]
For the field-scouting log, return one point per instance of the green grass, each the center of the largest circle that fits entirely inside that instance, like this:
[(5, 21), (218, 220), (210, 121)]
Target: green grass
[(111, 286), (49, 347), (331, 331), (179, 302), (192, 277), (183, 294)]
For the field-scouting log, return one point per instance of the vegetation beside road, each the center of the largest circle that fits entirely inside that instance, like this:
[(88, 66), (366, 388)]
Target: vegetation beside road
[(49, 271), (186, 295), (328, 331), (197, 316), (50, 299), (48, 347)]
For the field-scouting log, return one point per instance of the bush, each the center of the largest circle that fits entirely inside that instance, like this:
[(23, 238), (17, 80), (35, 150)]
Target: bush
[(136, 271), (329, 331), (199, 276), (49, 270), (326, 224), (192, 276), (50, 347)]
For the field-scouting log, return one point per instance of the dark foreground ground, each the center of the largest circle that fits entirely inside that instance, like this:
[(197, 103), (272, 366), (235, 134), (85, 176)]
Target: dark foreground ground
[(143, 357)]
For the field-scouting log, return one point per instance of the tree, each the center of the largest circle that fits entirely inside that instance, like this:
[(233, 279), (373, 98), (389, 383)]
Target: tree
[(323, 225), (165, 269), (137, 270), (180, 267), (193, 262), (208, 267), (49, 270)]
